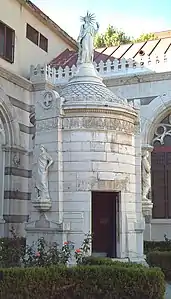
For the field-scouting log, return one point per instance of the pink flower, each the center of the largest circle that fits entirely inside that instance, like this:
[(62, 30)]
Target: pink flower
[(65, 243), (37, 254), (78, 251)]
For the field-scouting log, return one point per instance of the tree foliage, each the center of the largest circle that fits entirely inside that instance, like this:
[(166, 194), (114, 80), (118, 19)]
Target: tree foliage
[(111, 37), (114, 37), (144, 37)]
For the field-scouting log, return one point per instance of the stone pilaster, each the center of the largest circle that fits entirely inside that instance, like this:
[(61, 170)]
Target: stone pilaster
[(147, 204), (46, 217)]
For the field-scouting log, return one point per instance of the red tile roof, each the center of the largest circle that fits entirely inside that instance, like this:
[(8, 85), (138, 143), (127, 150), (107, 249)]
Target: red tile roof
[(45, 19), (134, 51)]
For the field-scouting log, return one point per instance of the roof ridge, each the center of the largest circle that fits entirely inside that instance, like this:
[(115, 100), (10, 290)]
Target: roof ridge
[(36, 10)]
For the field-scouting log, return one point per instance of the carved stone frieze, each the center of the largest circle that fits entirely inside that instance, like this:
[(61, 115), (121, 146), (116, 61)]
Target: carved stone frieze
[(116, 185), (46, 124), (98, 124)]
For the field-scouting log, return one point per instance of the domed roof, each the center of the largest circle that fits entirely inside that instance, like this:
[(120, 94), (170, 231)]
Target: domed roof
[(90, 91), (87, 87)]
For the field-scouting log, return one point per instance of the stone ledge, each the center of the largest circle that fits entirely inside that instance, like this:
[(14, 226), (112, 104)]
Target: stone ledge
[(21, 105), (16, 79), (18, 172), (17, 195), (136, 79), (15, 218)]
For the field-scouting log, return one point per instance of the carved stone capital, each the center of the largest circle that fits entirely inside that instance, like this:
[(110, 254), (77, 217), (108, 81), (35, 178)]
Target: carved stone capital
[(147, 207), (147, 147), (148, 219)]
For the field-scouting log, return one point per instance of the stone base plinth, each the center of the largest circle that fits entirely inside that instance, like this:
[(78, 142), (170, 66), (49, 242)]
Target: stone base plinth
[(147, 213), (51, 231), (147, 207), (42, 206)]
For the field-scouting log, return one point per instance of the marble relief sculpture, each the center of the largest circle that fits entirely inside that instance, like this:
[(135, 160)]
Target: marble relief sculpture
[(146, 175), (86, 37), (44, 162)]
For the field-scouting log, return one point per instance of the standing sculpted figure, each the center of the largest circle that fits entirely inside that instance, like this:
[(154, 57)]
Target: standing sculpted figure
[(146, 175), (44, 162), (85, 39)]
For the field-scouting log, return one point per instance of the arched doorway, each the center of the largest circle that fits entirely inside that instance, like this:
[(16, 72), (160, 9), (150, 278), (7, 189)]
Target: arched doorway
[(161, 170)]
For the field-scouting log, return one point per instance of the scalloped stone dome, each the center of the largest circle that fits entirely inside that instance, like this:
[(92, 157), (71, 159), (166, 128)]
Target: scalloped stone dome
[(87, 87)]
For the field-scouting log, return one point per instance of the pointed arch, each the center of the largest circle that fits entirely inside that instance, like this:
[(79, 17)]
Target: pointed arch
[(156, 122), (158, 109), (9, 120)]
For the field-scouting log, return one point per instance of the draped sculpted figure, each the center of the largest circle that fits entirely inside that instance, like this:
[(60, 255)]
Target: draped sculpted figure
[(44, 162), (85, 39), (146, 175)]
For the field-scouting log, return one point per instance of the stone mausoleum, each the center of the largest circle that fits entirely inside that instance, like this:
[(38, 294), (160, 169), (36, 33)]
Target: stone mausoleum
[(87, 163)]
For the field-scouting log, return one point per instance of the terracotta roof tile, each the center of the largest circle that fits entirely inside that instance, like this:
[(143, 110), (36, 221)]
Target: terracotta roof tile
[(153, 47), (66, 58)]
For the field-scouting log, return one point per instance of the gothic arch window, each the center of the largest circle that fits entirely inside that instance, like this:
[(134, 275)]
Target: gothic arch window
[(161, 169)]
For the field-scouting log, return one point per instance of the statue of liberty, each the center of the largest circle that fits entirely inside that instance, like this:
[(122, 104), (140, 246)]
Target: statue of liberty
[(85, 39)]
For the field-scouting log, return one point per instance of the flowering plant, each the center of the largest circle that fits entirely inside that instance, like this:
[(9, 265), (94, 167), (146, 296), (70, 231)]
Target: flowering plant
[(43, 254), (82, 252), (40, 253)]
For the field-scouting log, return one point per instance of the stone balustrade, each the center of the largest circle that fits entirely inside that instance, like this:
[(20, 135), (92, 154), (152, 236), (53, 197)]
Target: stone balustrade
[(106, 69)]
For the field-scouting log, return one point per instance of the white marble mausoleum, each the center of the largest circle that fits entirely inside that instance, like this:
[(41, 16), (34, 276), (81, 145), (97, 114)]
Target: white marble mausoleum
[(85, 136), (91, 144)]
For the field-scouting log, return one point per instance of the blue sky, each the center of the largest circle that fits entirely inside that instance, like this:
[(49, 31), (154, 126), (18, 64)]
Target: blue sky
[(133, 16)]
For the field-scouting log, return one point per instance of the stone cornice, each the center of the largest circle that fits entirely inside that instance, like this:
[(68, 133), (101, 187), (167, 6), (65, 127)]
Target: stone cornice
[(136, 79), (16, 79), (42, 86)]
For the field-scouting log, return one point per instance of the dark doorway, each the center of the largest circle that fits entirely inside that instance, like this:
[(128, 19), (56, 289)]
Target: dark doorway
[(161, 170), (104, 211), (161, 181)]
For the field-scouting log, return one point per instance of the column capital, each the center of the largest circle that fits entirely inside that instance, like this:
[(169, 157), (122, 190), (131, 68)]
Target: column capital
[(147, 147)]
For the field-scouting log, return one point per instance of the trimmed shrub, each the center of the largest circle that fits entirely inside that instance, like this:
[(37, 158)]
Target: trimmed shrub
[(157, 246), (11, 250), (91, 260), (162, 260), (82, 282)]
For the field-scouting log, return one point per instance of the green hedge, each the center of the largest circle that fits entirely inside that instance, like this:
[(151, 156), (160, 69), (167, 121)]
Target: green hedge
[(162, 260), (157, 246), (91, 260), (82, 282)]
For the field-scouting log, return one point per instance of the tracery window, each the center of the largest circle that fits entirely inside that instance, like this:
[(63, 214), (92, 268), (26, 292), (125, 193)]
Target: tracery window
[(161, 170)]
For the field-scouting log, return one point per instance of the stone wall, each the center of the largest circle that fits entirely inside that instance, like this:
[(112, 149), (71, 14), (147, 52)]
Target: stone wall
[(99, 154), (154, 96), (15, 107)]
